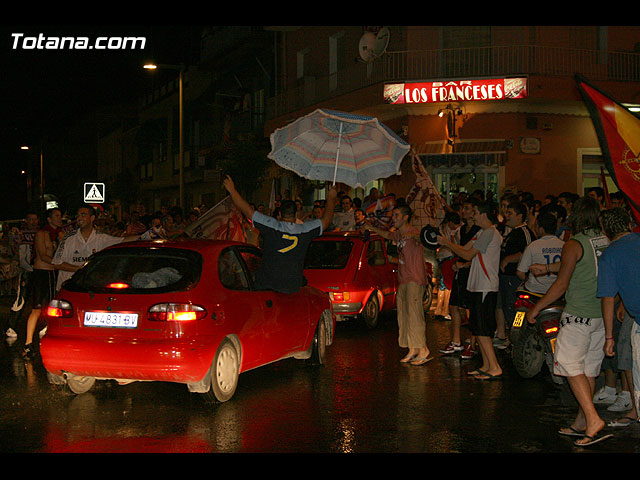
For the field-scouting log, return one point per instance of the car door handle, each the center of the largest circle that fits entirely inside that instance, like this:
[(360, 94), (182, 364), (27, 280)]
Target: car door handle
[(269, 303)]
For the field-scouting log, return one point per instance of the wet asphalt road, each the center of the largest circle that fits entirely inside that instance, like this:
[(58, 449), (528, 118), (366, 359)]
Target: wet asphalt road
[(362, 401)]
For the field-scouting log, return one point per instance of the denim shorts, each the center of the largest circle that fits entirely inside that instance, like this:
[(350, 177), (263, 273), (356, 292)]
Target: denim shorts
[(623, 344)]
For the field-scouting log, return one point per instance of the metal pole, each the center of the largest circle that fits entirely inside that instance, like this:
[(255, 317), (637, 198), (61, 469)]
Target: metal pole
[(181, 144), (42, 203)]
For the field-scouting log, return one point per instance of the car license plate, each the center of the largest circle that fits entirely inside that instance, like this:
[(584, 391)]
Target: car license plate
[(110, 319), (519, 319)]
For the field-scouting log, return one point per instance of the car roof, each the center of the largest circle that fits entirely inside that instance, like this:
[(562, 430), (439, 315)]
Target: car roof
[(197, 244)]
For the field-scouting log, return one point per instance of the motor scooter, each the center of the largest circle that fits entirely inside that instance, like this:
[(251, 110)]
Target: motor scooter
[(533, 345)]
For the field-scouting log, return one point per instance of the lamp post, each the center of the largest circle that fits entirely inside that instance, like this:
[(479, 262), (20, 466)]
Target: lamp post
[(180, 68), (42, 203)]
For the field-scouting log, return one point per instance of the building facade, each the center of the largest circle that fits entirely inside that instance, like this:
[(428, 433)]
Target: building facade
[(484, 107)]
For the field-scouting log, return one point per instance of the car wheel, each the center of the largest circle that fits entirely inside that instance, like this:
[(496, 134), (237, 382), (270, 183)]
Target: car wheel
[(319, 344), (371, 312), (225, 371), (79, 384)]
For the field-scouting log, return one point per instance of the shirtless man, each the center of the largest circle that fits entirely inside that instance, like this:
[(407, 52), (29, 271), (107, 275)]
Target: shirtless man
[(43, 279)]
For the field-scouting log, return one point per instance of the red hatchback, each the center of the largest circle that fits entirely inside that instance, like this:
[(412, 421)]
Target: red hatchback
[(182, 312), (356, 271)]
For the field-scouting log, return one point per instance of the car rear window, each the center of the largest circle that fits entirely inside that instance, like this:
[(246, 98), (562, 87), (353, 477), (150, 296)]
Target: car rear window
[(328, 254), (138, 270)]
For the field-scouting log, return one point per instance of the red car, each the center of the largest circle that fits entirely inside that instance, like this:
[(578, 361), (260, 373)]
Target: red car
[(181, 311), (359, 272)]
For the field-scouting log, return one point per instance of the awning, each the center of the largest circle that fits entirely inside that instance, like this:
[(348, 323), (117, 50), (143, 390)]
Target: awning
[(463, 153)]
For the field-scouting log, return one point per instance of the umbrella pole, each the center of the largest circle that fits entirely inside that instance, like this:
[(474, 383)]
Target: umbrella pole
[(335, 170)]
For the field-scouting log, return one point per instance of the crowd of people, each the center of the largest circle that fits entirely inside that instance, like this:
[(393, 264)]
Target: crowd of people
[(583, 249), (40, 254), (558, 248)]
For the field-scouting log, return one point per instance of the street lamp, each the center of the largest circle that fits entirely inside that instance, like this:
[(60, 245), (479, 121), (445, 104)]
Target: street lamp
[(180, 68), (452, 113), (42, 204)]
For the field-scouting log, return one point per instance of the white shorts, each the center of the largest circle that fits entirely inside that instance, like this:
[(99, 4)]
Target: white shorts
[(579, 346)]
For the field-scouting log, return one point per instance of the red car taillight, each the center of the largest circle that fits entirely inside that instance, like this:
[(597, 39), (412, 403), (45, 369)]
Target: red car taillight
[(60, 309), (176, 312), (340, 296)]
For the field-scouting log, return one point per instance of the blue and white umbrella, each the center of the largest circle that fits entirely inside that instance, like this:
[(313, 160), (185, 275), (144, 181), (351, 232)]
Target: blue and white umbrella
[(344, 147)]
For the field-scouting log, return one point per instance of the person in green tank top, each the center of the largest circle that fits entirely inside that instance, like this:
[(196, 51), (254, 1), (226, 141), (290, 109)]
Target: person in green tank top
[(579, 345)]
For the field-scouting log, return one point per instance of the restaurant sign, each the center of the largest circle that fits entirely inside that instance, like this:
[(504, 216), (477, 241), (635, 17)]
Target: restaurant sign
[(455, 90)]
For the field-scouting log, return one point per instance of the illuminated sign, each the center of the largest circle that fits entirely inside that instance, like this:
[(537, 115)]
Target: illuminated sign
[(455, 90), (94, 192)]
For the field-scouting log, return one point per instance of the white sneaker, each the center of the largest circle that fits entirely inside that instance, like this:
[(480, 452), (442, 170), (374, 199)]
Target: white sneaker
[(606, 395), (622, 403), (11, 333)]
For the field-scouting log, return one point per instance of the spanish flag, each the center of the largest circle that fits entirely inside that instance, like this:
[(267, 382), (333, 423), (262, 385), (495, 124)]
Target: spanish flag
[(618, 131)]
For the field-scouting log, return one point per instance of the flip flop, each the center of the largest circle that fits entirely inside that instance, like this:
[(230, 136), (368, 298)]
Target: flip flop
[(473, 373), (408, 359), (595, 439), (421, 360), (619, 423), (572, 433), (487, 377)]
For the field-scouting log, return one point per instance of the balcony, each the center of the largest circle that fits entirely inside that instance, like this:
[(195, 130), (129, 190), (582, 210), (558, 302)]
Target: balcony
[(459, 63)]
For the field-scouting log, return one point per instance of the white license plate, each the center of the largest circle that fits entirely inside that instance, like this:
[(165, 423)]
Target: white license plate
[(110, 319)]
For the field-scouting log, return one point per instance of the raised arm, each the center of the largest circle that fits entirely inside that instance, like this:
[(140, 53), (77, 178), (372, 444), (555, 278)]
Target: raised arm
[(244, 206)]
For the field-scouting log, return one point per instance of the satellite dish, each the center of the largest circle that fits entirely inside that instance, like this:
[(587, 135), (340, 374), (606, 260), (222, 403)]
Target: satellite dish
[(382, 41), (366, 46)]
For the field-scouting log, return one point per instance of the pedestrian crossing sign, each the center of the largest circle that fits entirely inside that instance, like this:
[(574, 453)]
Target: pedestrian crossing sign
[(94, 192)]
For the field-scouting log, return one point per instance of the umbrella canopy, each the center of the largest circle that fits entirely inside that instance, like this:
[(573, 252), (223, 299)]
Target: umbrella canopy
[(340, 147)]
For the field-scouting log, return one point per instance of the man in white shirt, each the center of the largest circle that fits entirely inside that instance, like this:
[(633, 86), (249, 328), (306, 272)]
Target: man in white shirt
[(79, 245), (483, 283), (345, 220), (546, 250)]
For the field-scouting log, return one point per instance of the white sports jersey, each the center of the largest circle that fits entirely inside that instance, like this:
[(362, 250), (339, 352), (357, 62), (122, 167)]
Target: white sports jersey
[(74, 250), (485, 266), (545, 250)]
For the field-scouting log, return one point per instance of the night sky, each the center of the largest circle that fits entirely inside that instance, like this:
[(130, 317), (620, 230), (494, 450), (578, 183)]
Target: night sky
[(44, 90)]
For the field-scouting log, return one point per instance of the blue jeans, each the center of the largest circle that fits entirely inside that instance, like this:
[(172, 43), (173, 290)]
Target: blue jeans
[(635, 348)]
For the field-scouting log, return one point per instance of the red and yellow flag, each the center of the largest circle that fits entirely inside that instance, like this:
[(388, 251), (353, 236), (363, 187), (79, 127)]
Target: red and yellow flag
[(618, 131), (221, 222)]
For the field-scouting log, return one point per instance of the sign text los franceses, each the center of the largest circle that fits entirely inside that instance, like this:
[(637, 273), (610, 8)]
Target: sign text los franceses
[(456, 90)]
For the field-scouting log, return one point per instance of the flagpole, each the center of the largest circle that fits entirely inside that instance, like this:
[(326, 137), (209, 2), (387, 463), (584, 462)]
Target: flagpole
[(605, 188)]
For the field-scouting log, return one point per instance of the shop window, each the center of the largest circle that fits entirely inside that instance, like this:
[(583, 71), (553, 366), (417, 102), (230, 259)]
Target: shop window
[(451, 182)]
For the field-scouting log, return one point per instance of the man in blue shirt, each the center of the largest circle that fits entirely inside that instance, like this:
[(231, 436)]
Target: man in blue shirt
[(285, 242), (619, 274)]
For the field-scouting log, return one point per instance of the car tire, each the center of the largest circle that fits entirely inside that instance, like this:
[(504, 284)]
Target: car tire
[(371, 312), (319, 344), (80, 384), (224, 372)]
